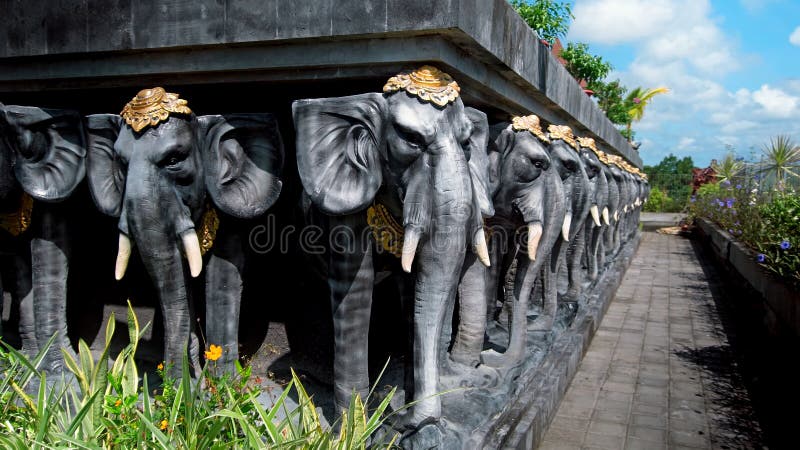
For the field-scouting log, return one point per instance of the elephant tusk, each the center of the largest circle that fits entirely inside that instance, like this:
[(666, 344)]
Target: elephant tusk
[(123, 255), (534, 236), (595, 215), (605, 216), (410, 241), (616, 216), (192, 248), (481, 249), (565, 226)]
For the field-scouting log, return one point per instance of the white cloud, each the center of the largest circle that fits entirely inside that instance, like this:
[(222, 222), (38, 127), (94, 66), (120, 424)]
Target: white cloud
[(776, 103), (794, 38), (686, 142)]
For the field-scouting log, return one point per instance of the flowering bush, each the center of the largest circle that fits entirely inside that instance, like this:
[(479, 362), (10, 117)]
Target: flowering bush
[(767, 220)]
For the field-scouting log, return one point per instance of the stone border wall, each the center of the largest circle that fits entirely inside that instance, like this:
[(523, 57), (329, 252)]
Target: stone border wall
[(781, 301), (484, 44)]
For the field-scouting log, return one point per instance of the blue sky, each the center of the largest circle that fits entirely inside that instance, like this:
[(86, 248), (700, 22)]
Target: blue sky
[(733, 68)]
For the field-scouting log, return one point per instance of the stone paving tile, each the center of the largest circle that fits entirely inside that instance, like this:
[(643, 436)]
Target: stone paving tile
[(644, 382)]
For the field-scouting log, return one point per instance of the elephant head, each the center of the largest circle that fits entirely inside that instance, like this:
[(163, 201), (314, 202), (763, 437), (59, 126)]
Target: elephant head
[(162, 170), (409, 149), (597, 185), (528, 194), (42, 153)]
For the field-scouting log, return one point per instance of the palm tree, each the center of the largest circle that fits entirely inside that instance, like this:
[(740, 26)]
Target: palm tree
[(636, 101), (782, 158), (728, 168)]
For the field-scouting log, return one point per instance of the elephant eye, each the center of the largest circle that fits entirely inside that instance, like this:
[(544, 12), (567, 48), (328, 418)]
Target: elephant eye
[(173, 158), (411, 137)]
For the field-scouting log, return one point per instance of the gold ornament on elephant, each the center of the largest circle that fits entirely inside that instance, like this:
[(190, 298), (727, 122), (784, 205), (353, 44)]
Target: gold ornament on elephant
[(564, 133), (209, 224), (387, 232), (151, 107), (529, 123), (589, 143), (16, 222), (428, 83)]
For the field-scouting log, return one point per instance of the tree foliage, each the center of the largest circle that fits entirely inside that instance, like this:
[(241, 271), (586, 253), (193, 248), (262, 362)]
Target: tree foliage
[(583, 65), (550, 19), (673, 176), (611, 99)]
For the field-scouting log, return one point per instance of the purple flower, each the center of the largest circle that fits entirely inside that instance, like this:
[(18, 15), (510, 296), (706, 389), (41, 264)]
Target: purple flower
[(761, 257), (720, 204), (785, 245), (726, 182), (729, 202), (757, 177), (738, 186), (730, 230), (693, 199), (637, 100)]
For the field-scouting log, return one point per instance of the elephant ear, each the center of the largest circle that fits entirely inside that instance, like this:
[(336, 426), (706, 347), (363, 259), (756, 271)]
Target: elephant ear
[(479, 160), (105, 171), (340, 147), (243, 160), (49, 148), (501, 140)]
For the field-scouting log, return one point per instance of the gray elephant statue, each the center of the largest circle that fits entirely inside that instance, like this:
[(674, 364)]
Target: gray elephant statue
[(176, 181), (597, 191), (41, 163), (394, 167), (594, 242), (528, 197), (567, 162)]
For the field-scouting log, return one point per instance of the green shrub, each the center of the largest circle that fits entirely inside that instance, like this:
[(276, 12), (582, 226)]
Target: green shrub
[(113, 409), (768, 221)]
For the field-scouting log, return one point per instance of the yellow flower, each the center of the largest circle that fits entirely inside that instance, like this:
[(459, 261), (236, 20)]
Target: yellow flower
[(214, 352), (160, 366), (163, 425), (118, 402)]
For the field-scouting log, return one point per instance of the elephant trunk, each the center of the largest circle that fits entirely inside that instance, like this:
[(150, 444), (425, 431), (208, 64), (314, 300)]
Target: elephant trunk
[(49, 265), (441, 257), (154, 216)]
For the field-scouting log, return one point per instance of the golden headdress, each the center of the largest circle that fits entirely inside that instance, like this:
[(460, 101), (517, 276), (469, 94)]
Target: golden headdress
[(529, 123), (428, 83), (564, 133), (151, 107)]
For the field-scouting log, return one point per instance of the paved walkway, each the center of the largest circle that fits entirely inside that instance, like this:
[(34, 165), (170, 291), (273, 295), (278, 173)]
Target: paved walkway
[(659, 372)]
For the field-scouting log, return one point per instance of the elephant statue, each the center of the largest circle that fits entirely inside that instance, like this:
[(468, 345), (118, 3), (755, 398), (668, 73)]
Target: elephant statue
[(177, 182), (394, 171), (529, 201), (567, 162), (594, 241), (41, 163), (597, 192), (615, 204)]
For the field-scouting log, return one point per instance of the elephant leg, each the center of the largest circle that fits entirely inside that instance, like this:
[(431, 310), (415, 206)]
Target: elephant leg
[(472, 289), (49, 269), (519, 285), (350, 279), (22, 300), (223, 296)]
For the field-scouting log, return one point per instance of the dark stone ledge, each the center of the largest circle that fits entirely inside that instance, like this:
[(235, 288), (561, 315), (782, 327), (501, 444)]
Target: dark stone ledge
[(498, 60)]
